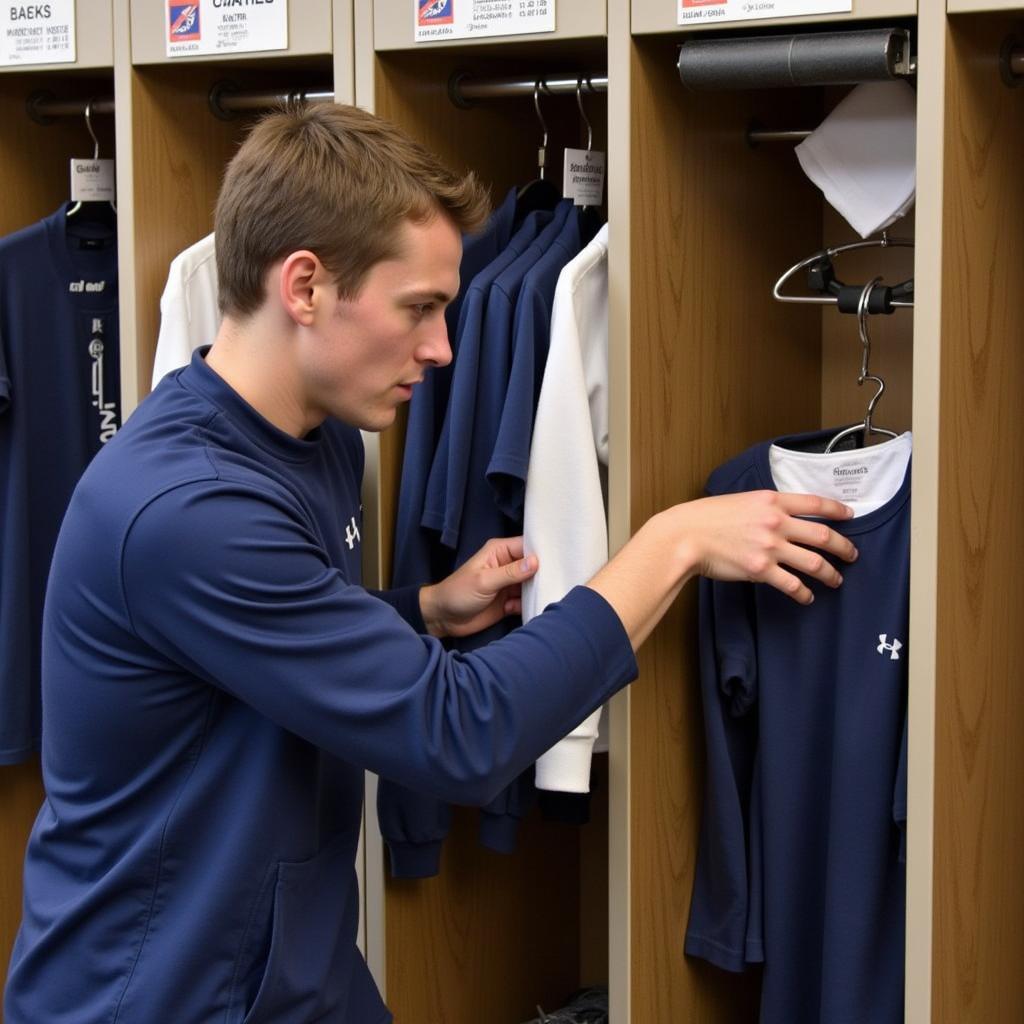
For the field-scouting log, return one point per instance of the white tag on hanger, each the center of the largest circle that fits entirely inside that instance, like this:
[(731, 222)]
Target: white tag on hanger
[(583, 176), (92, 180)]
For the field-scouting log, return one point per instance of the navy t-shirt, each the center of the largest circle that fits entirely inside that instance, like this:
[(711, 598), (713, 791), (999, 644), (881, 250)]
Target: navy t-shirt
[(799, 864), (60, 400)]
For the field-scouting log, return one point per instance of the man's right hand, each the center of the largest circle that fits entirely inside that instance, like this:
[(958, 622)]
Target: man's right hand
[(754, 536)]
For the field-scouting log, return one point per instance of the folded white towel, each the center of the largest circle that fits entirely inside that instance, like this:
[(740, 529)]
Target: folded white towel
[(862, 155)]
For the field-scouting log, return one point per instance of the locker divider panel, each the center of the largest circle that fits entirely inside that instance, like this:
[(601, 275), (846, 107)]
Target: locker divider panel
[(978, 925)]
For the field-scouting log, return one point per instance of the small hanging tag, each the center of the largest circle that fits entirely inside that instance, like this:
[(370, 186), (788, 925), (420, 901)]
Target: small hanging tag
[(92, 180), (583, 176)]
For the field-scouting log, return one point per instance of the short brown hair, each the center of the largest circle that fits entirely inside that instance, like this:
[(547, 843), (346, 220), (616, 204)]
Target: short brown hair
[(333, 179)]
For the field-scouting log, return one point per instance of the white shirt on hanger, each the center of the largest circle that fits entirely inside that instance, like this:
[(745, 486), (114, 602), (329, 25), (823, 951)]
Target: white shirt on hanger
[(565, 523), (189, 316)]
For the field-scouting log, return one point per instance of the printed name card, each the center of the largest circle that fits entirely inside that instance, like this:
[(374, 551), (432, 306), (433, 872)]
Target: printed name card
[(37, 33), (471, 19), (225, 26), (697, 12)]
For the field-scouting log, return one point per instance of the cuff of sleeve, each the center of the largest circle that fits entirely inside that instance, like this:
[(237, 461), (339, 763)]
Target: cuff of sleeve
[(607, 635), (405, 601), (716, 953), (565, 768), (415, 860), (498, 832)]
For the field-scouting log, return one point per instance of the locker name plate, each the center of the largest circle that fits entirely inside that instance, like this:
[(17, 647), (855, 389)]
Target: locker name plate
[(37, 33), (699, 12), (471, 19), (225, 26)]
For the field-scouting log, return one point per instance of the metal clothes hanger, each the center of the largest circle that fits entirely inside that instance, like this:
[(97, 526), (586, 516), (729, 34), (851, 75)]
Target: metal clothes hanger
[(862, 325), (583, 114), (95, 154), (821, 278), (539, 194)]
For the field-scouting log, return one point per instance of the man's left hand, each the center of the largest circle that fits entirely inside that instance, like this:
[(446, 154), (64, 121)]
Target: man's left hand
[(480, 592)]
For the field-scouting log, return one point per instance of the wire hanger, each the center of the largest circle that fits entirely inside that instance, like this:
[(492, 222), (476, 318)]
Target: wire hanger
[(541, 193), (95, 154), (862, 325), (821, 278), (585, 119)]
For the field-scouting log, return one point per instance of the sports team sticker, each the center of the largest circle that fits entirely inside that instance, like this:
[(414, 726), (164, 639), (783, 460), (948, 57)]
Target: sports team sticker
[(467, 19), (37, 33), (226, 26), (695, 12)]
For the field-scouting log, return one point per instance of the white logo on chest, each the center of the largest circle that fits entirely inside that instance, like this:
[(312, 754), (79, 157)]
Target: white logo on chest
[(352, 533), (894, 648)]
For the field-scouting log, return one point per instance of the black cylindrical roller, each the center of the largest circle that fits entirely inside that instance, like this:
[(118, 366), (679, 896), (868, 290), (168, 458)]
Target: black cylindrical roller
[(816, 58)]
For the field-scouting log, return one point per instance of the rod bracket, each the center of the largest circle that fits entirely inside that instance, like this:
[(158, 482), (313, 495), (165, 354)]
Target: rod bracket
[(224, 87), (32, 106), (1011, 46)]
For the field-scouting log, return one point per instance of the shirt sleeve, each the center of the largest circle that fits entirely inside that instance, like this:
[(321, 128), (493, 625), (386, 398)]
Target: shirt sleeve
[(231, 584), (718, 929)]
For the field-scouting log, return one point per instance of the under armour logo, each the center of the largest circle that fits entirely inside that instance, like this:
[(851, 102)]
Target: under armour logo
[(894, 648), (351, 533)]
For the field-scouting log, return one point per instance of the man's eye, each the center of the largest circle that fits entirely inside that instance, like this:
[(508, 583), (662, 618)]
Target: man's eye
[(422, 308)]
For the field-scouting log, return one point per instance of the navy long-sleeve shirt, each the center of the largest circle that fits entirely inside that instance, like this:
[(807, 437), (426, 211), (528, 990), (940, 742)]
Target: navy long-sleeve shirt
[(215, 680)]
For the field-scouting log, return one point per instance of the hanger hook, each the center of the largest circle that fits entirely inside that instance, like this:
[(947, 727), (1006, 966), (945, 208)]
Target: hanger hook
[(88, 124), (542, 152), (583, 113), (862, 326)]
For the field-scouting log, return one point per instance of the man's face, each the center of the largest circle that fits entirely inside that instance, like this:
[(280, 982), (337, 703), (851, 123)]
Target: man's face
[(371, 351)]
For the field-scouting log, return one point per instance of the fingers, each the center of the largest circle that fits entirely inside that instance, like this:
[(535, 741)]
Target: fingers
[(502, 550), (789, 584), (810, 563), (814, 505), (818, 535)]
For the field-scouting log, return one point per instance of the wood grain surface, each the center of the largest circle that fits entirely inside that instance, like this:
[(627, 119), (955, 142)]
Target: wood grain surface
[(978, 924), (180, 154)]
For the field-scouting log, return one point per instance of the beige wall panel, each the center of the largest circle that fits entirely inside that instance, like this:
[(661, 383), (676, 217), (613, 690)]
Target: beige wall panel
[(980, 6), (979, 785), (394, 25), (309, 32), (660, 16)]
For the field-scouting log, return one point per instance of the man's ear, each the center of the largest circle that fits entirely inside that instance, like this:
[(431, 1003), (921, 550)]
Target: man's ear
[(301, 272)]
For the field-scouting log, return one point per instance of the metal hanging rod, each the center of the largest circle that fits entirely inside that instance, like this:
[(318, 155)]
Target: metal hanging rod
[(758, 135), (463, 88), (43, 107), (226, 99)]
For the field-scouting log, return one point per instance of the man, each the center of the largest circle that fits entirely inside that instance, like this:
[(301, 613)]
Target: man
[(215, 679)]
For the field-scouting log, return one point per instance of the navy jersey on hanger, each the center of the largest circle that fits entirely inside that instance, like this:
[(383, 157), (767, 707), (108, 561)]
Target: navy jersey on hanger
[(60, 399), (799, 864)]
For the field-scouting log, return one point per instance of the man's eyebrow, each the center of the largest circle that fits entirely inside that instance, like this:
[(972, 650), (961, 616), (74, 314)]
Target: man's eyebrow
[(417, 295)]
